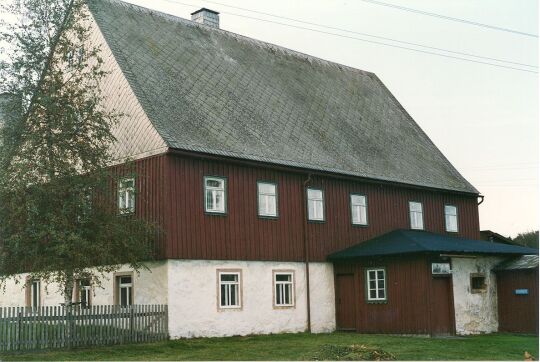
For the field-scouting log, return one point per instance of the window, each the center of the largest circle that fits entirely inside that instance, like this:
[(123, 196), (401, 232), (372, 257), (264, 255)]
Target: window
[(229, 289), (283, 289), (441, 268), (416, 215), (450, 216), (267, 199), (315, 204), (358, 209), (478, 283), (85, 292), (35, 293), (214, 195), (376, 284), (124, 290), (126, 196)]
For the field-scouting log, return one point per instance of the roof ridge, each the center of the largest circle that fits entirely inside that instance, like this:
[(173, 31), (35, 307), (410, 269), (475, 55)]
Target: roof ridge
[(263, 43)]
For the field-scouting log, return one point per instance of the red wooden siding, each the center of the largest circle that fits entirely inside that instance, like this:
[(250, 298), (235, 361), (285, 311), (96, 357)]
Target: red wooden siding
[(242, 235), (417, 302), (518, 313)]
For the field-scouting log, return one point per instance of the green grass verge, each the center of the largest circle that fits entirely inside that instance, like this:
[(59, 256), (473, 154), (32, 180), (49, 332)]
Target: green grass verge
[(304, 346)]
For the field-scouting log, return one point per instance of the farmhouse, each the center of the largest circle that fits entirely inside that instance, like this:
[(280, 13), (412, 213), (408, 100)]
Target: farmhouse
[(294, 193)]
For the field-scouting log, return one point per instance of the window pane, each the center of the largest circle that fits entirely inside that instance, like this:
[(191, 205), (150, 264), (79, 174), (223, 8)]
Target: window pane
[(372, 274), (380, 274), (266, 188), (380, 283), (381, 294), (209, 200), (283, 277), (288, 298), (229, 277), (214, 183), (450, 210), (234, 295), (311, 209), (373, 294), (372, 284), (415, 206), (123, 296), (314, 194), (359, 200), (125, 280), (223, 301)]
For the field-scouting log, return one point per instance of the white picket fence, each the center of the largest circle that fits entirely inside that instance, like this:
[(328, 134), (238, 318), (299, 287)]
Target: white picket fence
[(49, 327)]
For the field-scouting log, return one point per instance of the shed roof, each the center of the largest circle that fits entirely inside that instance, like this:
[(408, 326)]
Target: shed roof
[(212, 91), (522, 262), (409, 241)]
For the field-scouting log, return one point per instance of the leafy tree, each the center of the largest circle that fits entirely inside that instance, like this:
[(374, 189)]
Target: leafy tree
[(529, 238), (59, 219)]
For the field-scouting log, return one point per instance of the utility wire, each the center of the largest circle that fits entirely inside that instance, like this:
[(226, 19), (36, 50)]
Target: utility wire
[(445, 17), (374, 36), (367, 40)]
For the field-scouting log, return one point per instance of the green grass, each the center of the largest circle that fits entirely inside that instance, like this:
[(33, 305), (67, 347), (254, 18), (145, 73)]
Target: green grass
[(305, 346)]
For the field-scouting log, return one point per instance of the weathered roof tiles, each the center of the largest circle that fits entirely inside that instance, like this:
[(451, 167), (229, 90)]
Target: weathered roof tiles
[(209, 90)]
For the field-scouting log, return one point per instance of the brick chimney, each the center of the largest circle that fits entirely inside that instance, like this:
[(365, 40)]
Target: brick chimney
[(207, 17)]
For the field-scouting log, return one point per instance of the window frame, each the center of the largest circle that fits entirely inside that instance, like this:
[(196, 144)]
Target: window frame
[(31, 294), (276, 195), (292, 283), (122, 189), (351, 208), (225, 195), (117, 286), (84, 289), (240, 305), (457, 219), (410, 212), (476, 290), (316, 221), (367, 288)]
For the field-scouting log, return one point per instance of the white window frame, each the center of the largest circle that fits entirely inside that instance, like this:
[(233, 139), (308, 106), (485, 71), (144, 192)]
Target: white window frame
[(230, 285), (128, 286), (360, 208), (35, 293), (126, 196), (377, 288), (448, 215), (282, 285), (268, 198), (214, 191), (315, 201), (412, 213), (87, 291)]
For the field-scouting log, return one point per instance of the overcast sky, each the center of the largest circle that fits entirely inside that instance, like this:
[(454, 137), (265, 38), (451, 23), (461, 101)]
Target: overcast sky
[(483, 118)]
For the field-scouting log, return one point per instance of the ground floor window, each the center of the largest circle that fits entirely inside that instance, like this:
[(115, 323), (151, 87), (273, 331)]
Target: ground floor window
[(376, 284), (35, 293), (124, 290), (85, 293), (478, 283), (283, 288), (229, 289)]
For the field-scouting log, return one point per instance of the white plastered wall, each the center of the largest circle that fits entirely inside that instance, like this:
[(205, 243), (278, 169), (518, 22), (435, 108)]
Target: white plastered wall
[(475, 312), (193, 299), (149, 285)]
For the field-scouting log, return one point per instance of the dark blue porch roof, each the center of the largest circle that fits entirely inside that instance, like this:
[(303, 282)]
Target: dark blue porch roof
[(408, 241)]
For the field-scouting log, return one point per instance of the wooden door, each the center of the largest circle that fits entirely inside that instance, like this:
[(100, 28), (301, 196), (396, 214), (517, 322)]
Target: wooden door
[(345, 302), (442, 306)]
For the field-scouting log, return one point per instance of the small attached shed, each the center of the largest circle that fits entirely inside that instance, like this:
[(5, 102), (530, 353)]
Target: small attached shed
[(517, 289), (404, 282)]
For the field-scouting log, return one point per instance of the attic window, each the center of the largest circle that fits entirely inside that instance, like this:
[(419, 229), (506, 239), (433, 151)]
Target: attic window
[(478, 283)]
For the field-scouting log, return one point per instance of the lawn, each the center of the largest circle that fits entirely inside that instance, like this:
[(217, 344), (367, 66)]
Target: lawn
[(307, 346)]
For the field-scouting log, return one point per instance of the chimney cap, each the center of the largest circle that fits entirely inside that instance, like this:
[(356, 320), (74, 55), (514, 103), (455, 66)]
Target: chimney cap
[(205, 9)]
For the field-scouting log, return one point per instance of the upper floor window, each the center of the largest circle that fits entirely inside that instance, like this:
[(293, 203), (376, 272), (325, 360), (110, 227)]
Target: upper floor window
[(229, 289), (359, 209), (215, 197), (451, 219), (267, 199), (284, 289), (376, 285), (416, 215), (126, 196), (315, 204)]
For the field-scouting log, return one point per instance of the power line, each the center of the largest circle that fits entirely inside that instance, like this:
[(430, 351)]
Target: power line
[(367, 40), (374, 36), (445, 17)]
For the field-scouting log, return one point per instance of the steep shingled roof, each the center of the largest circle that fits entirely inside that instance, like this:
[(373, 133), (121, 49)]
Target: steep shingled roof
[(213, 91)]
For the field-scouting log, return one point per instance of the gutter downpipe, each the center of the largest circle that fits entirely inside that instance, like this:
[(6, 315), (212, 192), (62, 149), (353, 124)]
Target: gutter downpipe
[(306, 250)]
